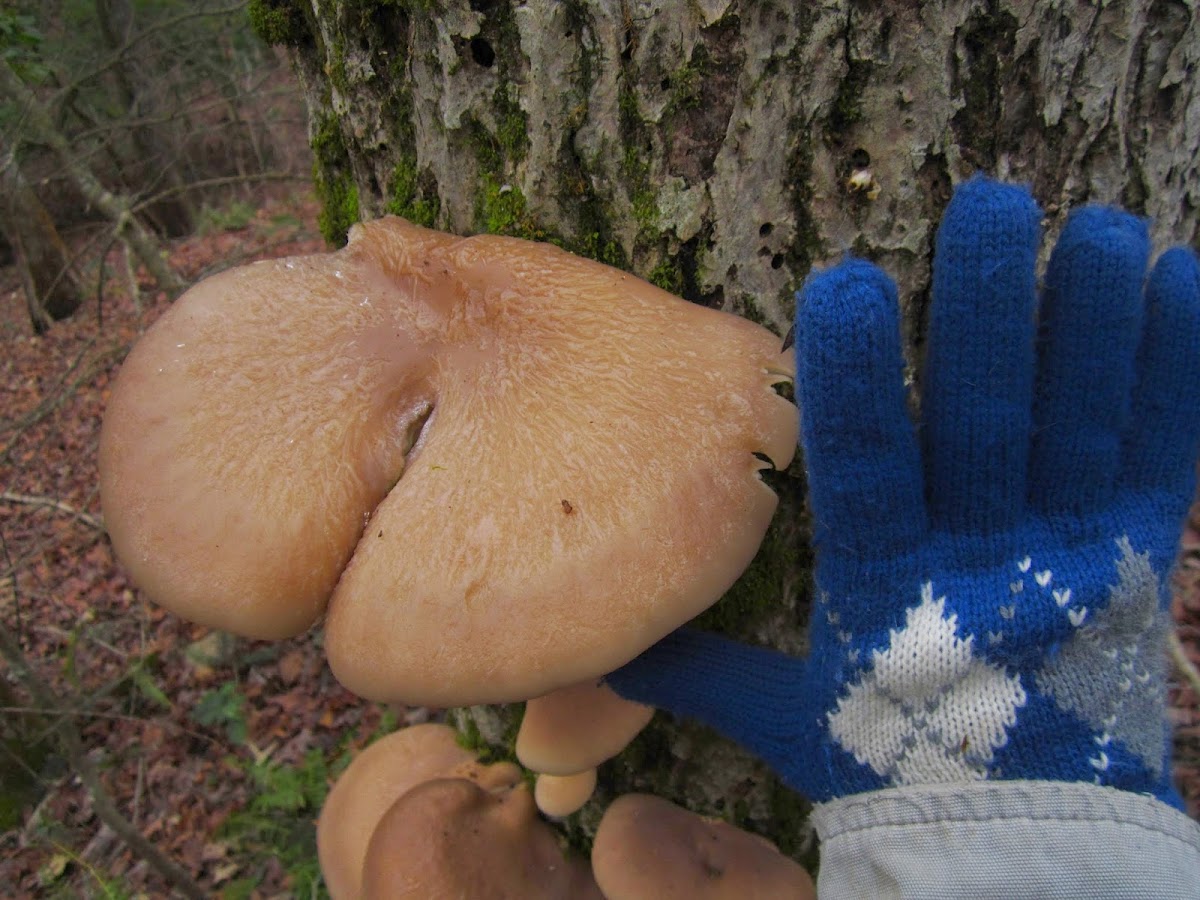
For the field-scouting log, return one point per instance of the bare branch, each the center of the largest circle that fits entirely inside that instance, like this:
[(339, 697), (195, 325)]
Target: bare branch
[(51, 503), (149, 31), (73, 747), (113, 206)]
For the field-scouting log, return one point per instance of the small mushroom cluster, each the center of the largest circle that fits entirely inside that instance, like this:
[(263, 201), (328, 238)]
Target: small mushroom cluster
[(567, 733), (416, 816), (494, 470)]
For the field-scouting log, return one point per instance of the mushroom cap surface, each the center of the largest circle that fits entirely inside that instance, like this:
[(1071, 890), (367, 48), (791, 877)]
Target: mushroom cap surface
[(578, 727), (561, 795), (500, 468), (450, 839), (647, 848), (377, 778)]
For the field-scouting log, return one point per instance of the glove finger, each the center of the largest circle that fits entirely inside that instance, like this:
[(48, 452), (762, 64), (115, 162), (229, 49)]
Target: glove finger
[(978, 381), (859, 444), (1090, 325), (1160, 448)]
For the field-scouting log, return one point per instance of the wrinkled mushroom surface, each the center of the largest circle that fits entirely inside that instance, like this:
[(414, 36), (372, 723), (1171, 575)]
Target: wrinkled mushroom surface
[(450, 839), (504, 469), (647, 848)]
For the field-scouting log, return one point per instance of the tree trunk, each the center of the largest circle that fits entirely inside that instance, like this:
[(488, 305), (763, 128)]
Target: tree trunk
[(154, 165), (721, 149), (52, 288), (115, 207)]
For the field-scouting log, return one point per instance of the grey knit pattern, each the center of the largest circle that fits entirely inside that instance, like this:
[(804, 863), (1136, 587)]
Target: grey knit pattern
[(1111, 673)]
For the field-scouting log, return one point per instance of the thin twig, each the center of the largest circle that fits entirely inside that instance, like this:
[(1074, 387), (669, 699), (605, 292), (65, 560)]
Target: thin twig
[(102, 802), (51, 503)]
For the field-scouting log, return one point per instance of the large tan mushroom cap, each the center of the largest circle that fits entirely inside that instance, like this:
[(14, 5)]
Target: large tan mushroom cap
[(649, 849), (577, 728), (450, 839), (513, 469), (377, 778)]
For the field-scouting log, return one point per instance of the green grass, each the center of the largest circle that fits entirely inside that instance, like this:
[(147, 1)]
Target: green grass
[(278, 822), (235, 216)]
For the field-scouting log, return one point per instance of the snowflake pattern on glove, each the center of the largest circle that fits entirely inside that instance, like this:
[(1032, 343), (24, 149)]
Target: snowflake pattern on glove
[(929, 709)]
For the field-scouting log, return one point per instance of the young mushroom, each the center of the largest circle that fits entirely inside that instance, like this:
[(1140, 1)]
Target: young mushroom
[(450, 839), (649, 849), (376, 779), (497, 468), (565, 734), (560, 795), (577, 728)]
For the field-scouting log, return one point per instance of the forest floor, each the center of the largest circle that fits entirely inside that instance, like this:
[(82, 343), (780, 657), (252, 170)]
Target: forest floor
[(219, 751)]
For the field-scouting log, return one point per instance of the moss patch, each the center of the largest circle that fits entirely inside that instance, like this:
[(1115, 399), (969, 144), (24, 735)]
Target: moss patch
[(334, 183), (806, 244), (501, 209), (407, 197), (280, 23), (780, 560), (667, 275), (846, 110), (470, 737)]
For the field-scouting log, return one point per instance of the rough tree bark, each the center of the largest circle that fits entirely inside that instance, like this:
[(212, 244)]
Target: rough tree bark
[(721, 149)]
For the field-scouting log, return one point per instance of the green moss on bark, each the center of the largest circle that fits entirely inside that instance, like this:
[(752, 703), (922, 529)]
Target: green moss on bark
[(755, 595), (407, 198), (280, 23), (334, 182)]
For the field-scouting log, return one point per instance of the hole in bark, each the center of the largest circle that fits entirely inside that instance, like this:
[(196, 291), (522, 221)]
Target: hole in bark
[(482, 52), (482, 5), (765, 229), (860, 158), (777, 261)]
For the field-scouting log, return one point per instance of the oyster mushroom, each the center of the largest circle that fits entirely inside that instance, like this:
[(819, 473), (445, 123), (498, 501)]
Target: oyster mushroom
[(497, 468), (450, 839), (376, 779), (647, 848)]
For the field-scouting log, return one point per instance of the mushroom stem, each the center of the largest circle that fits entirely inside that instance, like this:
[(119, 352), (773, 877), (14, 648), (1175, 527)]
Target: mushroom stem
[(576, 728)]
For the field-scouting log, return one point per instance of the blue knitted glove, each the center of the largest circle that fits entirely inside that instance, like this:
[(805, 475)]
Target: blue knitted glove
[(990, 604)]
